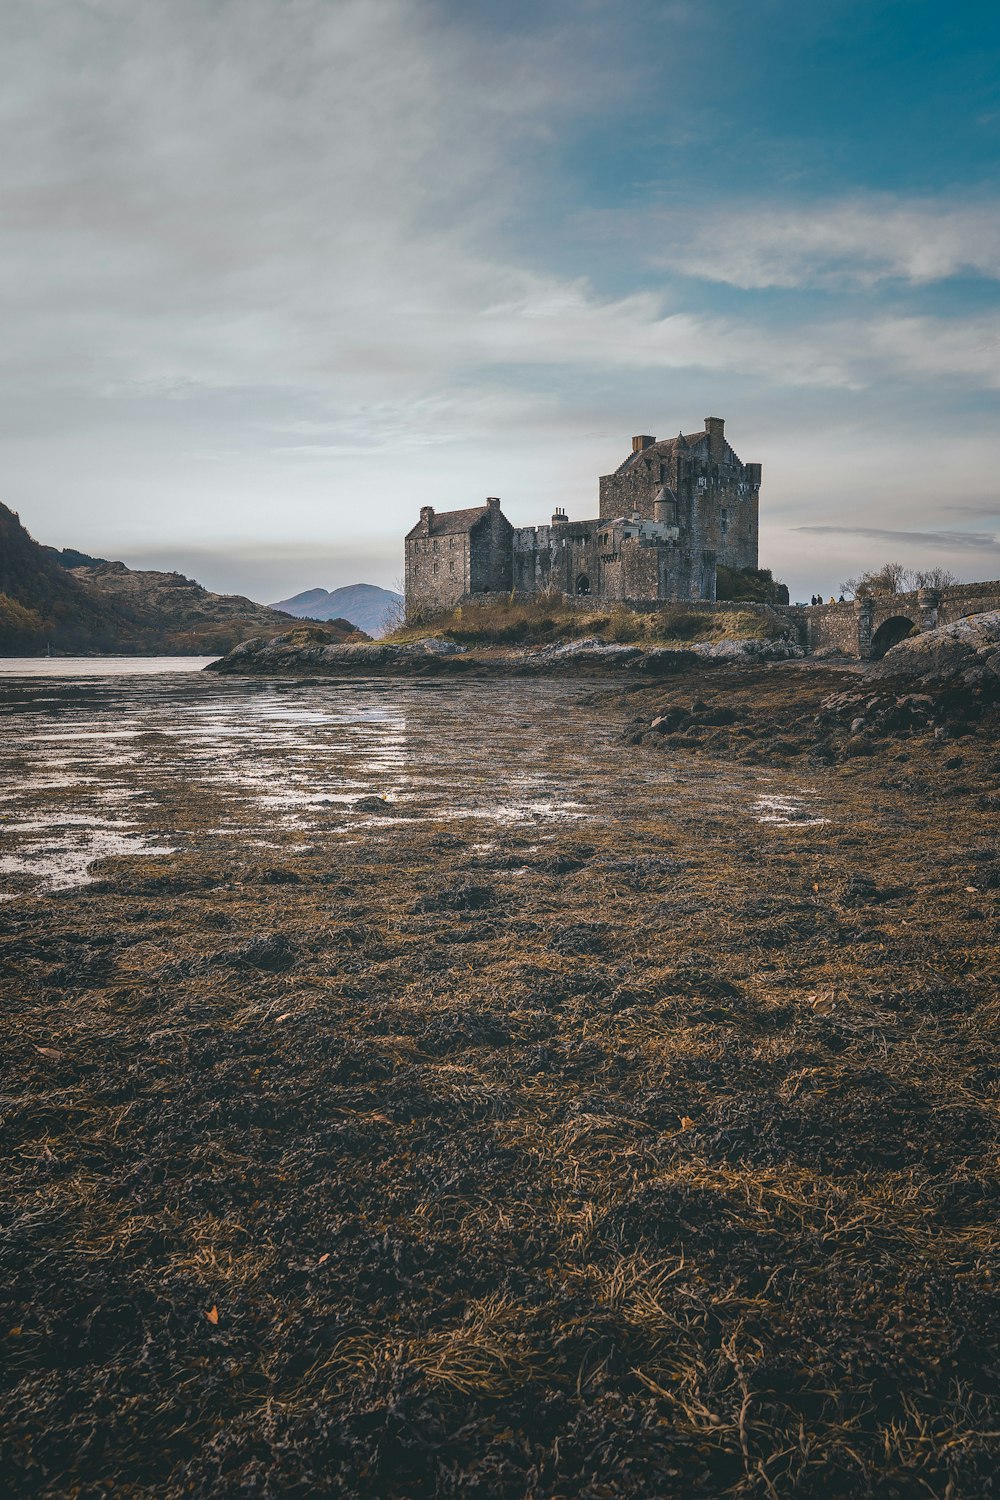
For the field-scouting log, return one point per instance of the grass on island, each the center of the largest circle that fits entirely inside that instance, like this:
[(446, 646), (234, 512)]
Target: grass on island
[(546, 620)]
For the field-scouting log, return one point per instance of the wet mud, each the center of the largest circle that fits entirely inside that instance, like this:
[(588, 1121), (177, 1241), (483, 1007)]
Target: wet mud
[(468, 1089)]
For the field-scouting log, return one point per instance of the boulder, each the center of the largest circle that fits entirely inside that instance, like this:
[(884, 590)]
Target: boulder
[(751, 650), (434, 647), (945, 652), (592, 647)]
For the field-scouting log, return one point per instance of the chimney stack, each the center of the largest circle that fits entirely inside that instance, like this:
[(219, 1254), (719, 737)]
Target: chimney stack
[(426, 517), (644, 440), (715, 426), (559, 516), (493, 502)]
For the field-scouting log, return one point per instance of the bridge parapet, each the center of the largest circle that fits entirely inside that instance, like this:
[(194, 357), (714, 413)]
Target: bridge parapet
[(868, 626)]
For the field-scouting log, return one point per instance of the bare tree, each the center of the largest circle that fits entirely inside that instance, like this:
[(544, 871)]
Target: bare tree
[(934, 578), (890, 578), (395, 614), (894, 578)]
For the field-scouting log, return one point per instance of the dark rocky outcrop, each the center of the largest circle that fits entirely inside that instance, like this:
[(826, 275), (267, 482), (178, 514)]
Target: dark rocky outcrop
[(319, 650), (41, 603), (944, 681), (70, 602), (950, 653)]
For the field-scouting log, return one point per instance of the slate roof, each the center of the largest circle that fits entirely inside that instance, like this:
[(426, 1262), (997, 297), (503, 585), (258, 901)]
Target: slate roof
[(451, 522)]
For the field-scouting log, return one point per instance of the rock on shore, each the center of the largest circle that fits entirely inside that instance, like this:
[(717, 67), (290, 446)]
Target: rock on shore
[(313, 652), (945, 681), (968, 650), (750, 650)]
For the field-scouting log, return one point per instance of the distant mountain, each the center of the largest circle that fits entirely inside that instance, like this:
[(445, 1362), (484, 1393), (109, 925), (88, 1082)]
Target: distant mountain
[(367, 606), (74, 603)]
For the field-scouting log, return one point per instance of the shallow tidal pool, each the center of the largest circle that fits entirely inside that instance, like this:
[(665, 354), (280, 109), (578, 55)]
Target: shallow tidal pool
[(154, 763)]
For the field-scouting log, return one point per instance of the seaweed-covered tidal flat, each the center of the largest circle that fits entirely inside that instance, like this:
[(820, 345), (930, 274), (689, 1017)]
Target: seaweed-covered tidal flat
[(458, 1088)]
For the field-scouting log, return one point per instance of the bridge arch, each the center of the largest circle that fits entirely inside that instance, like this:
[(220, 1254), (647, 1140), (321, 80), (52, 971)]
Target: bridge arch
[(869, 625), (891, 631)]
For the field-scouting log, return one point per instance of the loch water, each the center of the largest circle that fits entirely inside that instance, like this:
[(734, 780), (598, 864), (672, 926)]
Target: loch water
[(156, 761)]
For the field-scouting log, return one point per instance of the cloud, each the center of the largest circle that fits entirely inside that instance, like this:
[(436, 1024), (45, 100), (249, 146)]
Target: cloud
[(288, 271), (315, 199), (861, 240), (925, 347), (248, 193), (975, 541)]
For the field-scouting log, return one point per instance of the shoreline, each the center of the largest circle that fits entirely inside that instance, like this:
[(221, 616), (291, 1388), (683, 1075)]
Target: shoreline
[(291, 656)]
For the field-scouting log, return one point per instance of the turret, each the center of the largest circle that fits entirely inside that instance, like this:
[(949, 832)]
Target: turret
[(664, 505)]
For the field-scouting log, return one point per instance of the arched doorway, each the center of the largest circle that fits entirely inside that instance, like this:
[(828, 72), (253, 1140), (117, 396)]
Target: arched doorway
[(890, 633), (583, 584)]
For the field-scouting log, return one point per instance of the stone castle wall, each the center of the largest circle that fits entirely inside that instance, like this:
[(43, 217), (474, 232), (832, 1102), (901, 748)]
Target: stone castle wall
[(442, 569), (438, 572), (492, 565), (713, 498), (556, 557), (668, 517), (586, 557)]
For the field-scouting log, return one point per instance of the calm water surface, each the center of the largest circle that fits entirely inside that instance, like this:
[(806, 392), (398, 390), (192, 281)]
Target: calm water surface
[(158, 762), (99, 666)]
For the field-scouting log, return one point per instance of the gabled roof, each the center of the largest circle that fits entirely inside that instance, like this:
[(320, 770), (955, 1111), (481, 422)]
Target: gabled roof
[(451, 522), (663, 448)]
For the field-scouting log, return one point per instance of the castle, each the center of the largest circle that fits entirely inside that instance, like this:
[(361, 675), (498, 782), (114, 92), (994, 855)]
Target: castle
[(669, 516)]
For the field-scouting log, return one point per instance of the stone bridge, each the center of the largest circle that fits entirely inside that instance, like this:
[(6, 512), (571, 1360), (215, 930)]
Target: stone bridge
[(867, 627)]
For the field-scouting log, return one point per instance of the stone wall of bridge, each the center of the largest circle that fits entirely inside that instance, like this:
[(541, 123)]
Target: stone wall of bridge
[(867, 628)]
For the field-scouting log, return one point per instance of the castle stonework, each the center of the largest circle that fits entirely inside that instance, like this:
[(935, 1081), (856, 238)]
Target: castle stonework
[(669, 515), (454, 553)]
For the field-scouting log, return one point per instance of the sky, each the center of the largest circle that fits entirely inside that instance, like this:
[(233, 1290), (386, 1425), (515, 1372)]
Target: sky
[(276, 273)]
